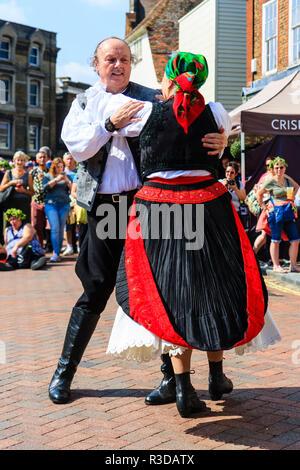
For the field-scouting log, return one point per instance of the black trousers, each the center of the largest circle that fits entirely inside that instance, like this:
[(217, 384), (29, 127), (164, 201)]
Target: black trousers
[(98, 260)]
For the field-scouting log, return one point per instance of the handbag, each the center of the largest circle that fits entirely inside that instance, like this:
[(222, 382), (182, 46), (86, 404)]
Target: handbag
[(253, 204), (282, 213), (6, 194)]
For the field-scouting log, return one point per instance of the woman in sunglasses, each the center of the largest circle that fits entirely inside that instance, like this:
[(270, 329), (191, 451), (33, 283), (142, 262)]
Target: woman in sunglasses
[(235, 189), (282, 189)]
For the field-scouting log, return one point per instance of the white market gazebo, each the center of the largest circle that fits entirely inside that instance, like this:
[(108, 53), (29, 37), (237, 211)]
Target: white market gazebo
[(274, 110)]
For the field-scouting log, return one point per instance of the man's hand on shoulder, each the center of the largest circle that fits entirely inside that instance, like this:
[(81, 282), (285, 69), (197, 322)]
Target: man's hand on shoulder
[(125, 114)]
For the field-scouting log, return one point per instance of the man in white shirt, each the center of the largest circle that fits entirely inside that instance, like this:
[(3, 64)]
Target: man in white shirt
[(109, 168)]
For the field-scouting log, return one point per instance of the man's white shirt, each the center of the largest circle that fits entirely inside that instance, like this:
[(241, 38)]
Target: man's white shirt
[(84, 134)]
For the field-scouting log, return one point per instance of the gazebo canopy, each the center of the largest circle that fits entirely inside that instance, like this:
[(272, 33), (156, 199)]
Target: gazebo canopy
[(274, 110)]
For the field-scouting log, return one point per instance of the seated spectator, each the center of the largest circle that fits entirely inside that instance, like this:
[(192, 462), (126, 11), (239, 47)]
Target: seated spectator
[(22, 249), (237, 193)]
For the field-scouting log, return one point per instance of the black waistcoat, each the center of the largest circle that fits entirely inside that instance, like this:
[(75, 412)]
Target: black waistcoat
[(165, 145), (138, 92)]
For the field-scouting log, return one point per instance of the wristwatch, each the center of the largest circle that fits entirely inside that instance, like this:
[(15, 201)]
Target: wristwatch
[(109, 126)]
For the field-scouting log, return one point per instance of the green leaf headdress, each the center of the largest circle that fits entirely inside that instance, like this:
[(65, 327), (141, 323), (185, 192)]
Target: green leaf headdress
[(17, 213)]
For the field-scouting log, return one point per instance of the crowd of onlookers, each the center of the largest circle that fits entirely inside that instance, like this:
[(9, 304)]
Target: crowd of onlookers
[(277, 199), (38, 210)]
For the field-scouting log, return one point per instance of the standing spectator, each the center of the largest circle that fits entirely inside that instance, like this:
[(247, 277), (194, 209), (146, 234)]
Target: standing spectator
[(38, 216), (223, 162), (48, 152), (262, 223), (70, 165), (3, 166), (81, 214), (282, 189), (237, 193), (21, 180), (2, 170), (57, 186), (70, 171)]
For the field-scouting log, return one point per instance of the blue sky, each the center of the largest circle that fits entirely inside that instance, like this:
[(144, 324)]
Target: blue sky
[(80, 25)]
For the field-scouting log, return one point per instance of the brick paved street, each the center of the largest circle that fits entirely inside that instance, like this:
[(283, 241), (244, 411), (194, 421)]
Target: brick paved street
[(107, 410)]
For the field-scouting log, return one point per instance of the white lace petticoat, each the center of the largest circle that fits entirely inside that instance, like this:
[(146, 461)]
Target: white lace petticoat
[(131, 341)]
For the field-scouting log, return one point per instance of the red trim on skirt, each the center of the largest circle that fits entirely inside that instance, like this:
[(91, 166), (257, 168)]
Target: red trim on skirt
[(255, 298), (196, 196), (145, 304)]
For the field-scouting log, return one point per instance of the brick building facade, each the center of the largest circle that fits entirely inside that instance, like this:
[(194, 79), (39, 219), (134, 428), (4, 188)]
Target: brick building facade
[(158, 32), (273, 32), (27, 88)]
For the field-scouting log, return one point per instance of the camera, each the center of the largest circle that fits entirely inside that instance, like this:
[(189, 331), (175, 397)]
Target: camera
[(230, 182)]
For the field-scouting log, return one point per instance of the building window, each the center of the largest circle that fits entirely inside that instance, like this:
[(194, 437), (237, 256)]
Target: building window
[(295, 30), (4, 135), (5, 90), (270, 36), (34, 138), (34, 93), (34, 58), (5, 49)]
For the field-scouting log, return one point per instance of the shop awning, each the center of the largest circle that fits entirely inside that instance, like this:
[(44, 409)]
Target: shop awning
[(274, 110)]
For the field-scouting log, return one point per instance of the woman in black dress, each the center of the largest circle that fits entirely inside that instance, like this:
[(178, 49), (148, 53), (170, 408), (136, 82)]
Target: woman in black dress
[(177, 288)]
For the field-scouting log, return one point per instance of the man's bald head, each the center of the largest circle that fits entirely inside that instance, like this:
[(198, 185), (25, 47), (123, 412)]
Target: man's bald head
[(112, 61), (100, 46)]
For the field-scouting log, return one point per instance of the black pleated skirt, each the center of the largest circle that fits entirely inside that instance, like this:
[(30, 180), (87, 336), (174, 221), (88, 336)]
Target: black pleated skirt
[(188, 273)]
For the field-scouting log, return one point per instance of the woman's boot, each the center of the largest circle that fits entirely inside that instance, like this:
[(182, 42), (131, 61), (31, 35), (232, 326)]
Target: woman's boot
[(80, 329), (218, 382), (166, 391), (187, 401)]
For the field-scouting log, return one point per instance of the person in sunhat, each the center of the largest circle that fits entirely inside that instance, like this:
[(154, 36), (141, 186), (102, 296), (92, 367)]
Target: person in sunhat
[(22, 247)]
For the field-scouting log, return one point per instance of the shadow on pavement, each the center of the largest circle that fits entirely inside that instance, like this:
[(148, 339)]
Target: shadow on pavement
[(260, 417)]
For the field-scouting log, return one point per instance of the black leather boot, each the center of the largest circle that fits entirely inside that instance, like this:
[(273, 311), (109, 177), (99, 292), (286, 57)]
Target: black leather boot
[(80, 329), (187, 401), (166, 391), (218, 382)]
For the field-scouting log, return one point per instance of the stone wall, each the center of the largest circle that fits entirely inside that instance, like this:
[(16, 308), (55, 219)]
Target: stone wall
[(18, 111)]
